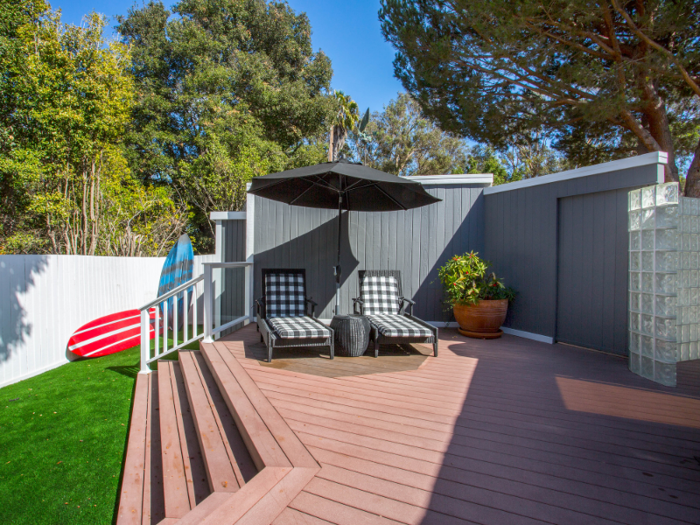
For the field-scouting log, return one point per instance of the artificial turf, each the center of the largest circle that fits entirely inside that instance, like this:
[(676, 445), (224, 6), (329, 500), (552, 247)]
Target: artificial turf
[(63, 441)]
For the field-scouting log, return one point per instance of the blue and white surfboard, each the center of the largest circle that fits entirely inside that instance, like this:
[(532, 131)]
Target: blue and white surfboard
[(177, 270)]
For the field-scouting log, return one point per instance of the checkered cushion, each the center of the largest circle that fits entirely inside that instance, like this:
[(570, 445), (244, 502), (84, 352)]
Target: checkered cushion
[(380, 295), (298, 328), (393, 325), (284, 295)]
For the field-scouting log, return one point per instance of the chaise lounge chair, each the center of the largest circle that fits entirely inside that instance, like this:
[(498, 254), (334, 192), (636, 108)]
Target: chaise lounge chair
[(283, 321), (385, 307)]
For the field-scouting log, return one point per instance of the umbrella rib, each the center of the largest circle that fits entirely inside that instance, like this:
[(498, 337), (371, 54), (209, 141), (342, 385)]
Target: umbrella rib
[(273, 184), (353, 187), (301, 194), (325, 184), (392, 199)]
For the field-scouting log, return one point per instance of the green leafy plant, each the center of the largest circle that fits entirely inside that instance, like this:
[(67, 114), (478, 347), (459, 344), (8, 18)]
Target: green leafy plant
[(466, 281)]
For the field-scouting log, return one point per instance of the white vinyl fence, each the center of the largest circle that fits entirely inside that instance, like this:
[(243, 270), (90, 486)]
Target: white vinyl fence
[(45, 298)]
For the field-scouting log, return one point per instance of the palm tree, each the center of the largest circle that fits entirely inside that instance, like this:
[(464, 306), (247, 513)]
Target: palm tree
[(345, 120)]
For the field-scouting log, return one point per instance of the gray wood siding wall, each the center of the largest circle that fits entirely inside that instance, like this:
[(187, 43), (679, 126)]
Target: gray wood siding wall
[(232, 297), (521, 240), (416, 242)]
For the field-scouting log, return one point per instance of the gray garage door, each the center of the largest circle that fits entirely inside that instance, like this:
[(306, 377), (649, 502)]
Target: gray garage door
[(592, 271)]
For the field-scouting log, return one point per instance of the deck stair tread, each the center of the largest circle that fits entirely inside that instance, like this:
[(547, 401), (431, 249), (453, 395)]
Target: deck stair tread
[(212, 424), (293, 449), (135, 493), (184, 472), (153, 502)]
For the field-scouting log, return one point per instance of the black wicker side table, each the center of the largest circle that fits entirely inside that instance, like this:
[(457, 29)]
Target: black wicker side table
[(351, 334)]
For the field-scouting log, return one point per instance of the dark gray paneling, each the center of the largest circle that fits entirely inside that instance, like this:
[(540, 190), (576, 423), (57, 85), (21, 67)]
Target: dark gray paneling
[(416, 242), (232, 300), (521, 240), (592, 279), (233, 240)]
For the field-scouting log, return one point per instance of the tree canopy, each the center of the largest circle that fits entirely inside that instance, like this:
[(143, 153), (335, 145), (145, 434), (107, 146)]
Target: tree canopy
[(227, 90), (400, 140), (605, 79), (66, 101)]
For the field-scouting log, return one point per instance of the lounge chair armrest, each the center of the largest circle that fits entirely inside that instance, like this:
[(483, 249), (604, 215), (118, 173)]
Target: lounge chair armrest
[(355, 302), (402, 305), (313, 305)]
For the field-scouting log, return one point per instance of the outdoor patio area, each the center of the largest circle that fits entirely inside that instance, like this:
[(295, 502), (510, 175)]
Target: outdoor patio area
[(501, 431)]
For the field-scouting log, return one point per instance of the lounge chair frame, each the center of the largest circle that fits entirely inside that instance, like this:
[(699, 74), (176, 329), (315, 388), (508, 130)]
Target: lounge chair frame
[(405, 309), (267, 333)]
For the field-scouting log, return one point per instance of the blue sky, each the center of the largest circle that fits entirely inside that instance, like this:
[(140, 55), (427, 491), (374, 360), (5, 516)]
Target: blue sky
[(348, 32)]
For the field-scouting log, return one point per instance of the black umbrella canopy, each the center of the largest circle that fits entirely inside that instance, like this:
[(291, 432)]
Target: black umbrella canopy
[(361, 188), (343, 185)]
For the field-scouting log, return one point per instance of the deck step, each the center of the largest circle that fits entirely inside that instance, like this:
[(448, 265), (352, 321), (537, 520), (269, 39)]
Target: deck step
[(184, 474), (188, 463), (141, 500), (222, 447)]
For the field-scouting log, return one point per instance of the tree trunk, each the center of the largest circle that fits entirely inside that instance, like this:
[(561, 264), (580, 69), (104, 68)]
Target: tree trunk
[(337, 141), (85, 215), (657, 118), (692, 181)]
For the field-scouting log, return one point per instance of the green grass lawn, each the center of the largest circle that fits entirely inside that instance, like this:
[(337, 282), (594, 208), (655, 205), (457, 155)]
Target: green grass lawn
[(63, 441)]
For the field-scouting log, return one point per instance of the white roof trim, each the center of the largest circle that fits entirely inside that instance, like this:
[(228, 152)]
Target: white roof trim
[(227, 216), (464, 178), (655, 157)]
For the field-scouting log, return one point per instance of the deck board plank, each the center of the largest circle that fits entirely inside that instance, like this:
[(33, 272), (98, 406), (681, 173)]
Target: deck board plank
[(293, 517), (336, 512), (198, 486), (131, 497), (175, 483), (153, 497)]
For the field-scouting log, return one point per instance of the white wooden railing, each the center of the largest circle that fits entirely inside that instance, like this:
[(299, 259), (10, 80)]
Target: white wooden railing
[(155, 315)]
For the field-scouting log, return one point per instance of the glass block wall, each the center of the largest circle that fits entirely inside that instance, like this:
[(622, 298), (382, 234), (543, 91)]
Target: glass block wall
[(664, 287)]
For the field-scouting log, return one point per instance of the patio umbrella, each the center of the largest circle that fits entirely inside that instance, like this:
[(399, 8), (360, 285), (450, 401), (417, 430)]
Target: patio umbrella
[(343, 185)]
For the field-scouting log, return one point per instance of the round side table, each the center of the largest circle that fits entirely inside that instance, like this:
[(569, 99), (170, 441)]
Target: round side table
[(351, 334)]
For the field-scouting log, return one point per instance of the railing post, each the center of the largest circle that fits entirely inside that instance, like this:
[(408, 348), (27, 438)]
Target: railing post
[(247, 304), (208, 303), (145, 341)]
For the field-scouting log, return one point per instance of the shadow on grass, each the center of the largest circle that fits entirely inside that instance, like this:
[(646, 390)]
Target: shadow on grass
[(129, 370)]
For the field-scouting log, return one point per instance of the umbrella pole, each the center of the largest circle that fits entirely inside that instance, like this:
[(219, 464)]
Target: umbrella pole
[(337, 268)]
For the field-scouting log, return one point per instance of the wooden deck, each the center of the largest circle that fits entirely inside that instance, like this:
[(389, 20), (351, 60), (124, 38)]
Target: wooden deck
[(490, 432)]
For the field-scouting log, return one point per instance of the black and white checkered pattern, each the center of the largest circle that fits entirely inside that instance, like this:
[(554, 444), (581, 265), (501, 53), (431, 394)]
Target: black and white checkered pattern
[(284, 295), (393, 325), (298, 328), (380, 295)]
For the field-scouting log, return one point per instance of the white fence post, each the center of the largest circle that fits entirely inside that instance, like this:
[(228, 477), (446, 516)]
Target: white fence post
[(145, 341), (208, 300)]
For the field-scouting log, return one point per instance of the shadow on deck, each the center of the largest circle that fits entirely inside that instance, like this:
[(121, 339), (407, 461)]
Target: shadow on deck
[(312, 361)]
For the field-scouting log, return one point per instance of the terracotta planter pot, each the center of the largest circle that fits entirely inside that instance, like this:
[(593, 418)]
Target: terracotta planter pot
[(482, 320)]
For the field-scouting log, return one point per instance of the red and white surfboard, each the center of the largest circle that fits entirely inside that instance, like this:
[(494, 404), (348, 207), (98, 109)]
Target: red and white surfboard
[(110, 334)]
